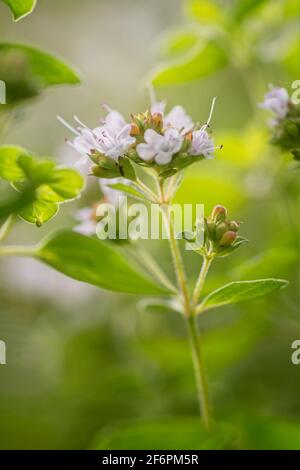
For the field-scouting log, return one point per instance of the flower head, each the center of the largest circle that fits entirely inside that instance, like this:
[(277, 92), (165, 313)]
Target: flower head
[(276, 100), (158, 147), (112, 139)]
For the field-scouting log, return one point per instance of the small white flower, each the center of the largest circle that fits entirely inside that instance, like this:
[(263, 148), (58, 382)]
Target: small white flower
[(177, 117), (202, 144), (160, 148), (87, 221), (112, 139), (276, 100)]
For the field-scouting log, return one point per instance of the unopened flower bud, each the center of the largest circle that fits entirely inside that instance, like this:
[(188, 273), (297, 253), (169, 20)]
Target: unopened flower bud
[(157, 119), (189, 136), (219, 213), (221, 229), (228, 238), (233, 226), (211, 229), (134, 129)]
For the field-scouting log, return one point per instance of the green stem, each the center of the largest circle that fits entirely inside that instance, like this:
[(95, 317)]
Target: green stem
[(176, 255), (189, 311), (17, 250), (7, 226), (207, 260), (199, 370)]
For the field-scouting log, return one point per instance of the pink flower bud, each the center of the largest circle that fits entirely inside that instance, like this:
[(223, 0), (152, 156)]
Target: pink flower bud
[(219, 213), (228, 238), (233, 226)]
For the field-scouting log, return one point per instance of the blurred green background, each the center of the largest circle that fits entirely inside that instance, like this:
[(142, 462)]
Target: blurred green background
[(87, 368)]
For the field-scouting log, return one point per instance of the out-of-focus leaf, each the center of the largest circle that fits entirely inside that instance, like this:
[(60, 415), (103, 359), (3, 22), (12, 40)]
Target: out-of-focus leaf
[(202, 61), (241, 291), (20, 8), (174, 434), (42, 185), (9, 167), (205, 11), (26, 71), (177, 43), (38, 212), (95, 262), (245, 8), (272, 434)]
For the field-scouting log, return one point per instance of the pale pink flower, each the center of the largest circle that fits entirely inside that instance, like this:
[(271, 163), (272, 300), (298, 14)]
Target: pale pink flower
[(160, 148)]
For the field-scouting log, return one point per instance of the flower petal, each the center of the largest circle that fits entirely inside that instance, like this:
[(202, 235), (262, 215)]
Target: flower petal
[(153, 138), (162, 158), (145, 151)]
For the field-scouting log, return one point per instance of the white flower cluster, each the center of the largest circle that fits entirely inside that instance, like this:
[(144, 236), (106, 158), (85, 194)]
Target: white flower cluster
[(114, 138)]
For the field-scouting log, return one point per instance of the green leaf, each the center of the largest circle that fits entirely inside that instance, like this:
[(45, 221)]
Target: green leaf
[(173, 433), (205, 11), (66, 184), (9, 167), (38, 212), (20, 8), (246, 8), (27, 71), (178, 43), (95, 262), (202, 61), (240, 291), (42, 185), (131, 189)]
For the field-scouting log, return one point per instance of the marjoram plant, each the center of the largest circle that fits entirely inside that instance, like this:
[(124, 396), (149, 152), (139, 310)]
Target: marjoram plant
[(148, 156)]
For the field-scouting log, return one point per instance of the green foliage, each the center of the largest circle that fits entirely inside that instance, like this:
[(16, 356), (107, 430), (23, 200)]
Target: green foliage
[(240, 291), (180, 433), (27, 71), (98, 263), (238, 34), (47, 184), (130, 189), (202, 61), (20, 8)]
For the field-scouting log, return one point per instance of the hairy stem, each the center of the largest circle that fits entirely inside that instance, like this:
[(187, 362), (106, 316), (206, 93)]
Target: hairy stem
[(200, 376)]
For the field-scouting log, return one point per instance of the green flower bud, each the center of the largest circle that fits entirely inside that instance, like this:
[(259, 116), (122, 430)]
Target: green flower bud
[(233, 226), (211, 229), (104, 173), (228, 238), (219, 214), (221, 229)]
